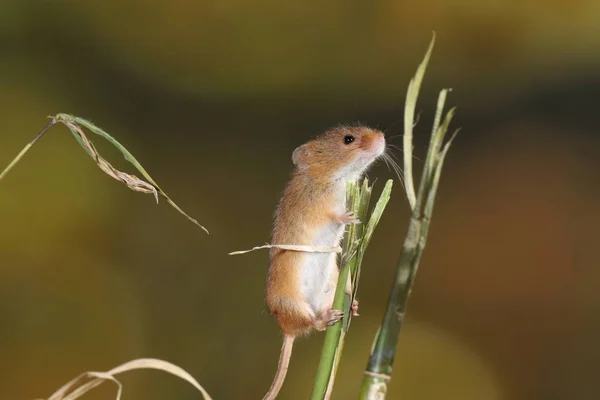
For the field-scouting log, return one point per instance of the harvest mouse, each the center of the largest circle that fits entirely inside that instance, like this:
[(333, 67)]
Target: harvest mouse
[(312, 211)]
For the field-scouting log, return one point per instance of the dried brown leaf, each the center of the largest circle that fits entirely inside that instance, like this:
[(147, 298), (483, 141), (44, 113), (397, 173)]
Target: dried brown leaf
[(131, 181), (293, 247), (78, 386)]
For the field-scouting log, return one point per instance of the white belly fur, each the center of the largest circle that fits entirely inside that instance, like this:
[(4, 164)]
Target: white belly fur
[(317, 268)]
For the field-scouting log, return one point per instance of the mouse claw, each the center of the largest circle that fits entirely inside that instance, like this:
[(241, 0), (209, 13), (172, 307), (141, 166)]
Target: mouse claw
[(333, 316), (349, 218)]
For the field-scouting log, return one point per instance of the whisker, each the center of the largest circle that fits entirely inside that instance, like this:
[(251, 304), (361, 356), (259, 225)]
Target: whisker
[(392, 125), (395, 158), (415, 123), (390, 162), (391, 153), (400, 150), (385, 160)]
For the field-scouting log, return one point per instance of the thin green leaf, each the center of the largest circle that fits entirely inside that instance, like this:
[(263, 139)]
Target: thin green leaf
[(380, 364), (74, 124), (435, 144), (412, 95), (436, 177), (374, 219), (439, 110), (377, 212), (131, 181)]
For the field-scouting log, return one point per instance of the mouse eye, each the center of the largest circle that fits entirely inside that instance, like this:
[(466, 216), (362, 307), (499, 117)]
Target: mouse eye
[(348, 139)]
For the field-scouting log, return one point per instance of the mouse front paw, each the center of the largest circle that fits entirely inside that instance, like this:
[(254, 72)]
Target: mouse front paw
[(349, 218)]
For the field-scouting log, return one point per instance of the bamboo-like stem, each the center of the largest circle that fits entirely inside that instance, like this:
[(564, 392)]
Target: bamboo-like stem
[(379, 367), (356, 241)]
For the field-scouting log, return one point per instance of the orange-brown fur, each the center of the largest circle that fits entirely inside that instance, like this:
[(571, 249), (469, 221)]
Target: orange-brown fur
[(312, 201), (302, 196)]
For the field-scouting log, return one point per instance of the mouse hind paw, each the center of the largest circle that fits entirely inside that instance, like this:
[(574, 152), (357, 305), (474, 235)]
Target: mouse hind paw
[(329, 318)]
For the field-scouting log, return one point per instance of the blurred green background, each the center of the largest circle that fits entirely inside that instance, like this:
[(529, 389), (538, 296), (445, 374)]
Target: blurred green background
[(212, 97)]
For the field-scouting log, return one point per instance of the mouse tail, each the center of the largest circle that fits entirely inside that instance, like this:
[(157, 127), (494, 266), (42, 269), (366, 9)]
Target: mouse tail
[(282, 367)]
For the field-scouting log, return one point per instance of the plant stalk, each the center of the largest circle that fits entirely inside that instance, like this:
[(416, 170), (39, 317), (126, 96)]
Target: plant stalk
[(381, 360), (355, 243)]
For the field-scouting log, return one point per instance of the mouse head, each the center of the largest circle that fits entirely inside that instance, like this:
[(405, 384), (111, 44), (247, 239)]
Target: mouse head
[(340, 153)]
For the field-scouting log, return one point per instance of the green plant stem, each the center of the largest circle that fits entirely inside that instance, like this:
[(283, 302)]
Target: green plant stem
[(355, 244), (379, 367), (332, 336), (341, 300)]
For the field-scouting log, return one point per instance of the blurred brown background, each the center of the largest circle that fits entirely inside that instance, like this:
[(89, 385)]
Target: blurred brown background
[(212, 97)]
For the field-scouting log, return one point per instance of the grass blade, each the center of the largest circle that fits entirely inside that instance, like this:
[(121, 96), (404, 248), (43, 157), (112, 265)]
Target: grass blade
[(412, 95), (376, 214), (26, 148), (76, 387), (379, 368), (75, 124), (132, 181)]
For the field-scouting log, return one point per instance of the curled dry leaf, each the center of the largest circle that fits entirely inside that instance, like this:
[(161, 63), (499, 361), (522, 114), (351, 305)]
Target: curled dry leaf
[(293, 247), (85, 382), (131, 181), (75, 124)]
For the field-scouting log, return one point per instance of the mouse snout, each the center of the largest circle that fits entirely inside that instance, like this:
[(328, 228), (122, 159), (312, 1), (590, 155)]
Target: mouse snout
[(376, 144)]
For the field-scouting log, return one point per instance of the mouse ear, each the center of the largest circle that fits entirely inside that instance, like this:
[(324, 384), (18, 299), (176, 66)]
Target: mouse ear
[(299, 156)]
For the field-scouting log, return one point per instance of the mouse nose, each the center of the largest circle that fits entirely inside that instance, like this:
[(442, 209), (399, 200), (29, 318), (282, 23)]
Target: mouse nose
[(379, 144)]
